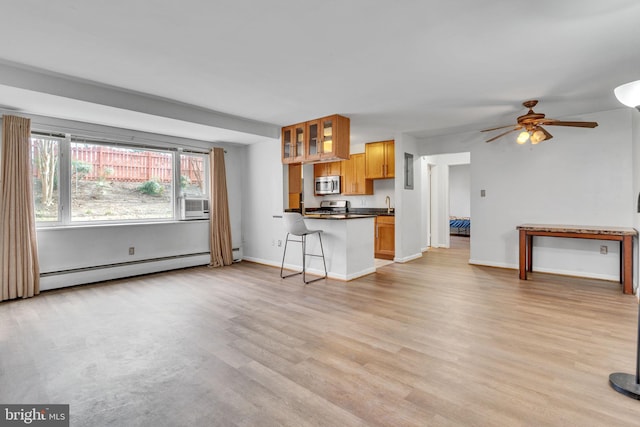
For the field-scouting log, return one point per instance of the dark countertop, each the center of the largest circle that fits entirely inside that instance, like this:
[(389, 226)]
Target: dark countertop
[(353, 211), (338, 216), (373, 211)]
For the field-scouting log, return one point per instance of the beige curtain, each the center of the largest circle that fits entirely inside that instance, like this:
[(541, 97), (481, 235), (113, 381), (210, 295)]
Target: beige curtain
[(220, 228), (19, 270)]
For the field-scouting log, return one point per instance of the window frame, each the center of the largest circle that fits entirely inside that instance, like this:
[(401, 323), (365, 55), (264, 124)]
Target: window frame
[(205, 161), (62, 139), (64, 166)]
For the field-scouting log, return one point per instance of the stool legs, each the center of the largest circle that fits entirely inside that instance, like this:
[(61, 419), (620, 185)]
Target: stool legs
[(303, 241), (284, 254), (304, 257)]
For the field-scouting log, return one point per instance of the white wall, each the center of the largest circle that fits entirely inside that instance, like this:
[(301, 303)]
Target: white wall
[(460, 190), (408, 215), (263, 199), (581, 176)]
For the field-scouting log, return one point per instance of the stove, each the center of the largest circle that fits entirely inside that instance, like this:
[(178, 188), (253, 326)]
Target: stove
[(331, 207)]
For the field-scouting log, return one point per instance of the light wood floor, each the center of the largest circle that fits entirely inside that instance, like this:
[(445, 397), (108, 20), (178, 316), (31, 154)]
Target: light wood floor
[(434, 342)]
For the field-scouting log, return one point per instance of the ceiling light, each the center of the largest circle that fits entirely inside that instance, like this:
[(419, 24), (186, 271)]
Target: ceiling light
[(523, 137), (629, 94), (538, 136)]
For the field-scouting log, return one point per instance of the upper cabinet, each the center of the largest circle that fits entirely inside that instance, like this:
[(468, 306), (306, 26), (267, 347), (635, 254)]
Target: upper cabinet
[(380, 160), (322, 140), (354, 181), (327, 169), (293, 143)]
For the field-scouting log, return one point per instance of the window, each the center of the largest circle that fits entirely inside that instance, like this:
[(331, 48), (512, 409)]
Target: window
[(83, 181), (117, 183), (193, 175), (46, 190)]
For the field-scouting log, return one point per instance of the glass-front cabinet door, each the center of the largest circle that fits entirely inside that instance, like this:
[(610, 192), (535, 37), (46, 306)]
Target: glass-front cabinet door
[(288, 150), (298, 137), (327, 125), (293, 143), (313, 145)]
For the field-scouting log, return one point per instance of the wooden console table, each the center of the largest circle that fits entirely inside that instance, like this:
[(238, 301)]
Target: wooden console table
[(622, 234)]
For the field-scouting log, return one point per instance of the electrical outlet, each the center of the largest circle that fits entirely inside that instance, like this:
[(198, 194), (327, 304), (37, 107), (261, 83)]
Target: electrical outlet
[(132, 250), (604, 249), (279, 243)]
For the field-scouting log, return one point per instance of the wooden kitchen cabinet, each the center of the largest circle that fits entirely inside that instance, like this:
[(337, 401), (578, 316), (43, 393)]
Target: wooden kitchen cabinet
[(380, 160), (328, 138), (385, 238), (327, 169), (295, 185), (322, 140), (293, 143), (353, 178)]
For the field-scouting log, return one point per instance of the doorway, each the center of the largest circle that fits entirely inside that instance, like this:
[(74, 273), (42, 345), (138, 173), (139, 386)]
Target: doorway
[(443, 172)]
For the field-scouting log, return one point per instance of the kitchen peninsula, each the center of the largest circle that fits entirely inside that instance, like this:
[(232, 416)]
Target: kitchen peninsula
[(348, 241)]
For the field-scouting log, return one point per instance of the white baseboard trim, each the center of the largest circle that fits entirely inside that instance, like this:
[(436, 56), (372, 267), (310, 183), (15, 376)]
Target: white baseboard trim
[(408, 258), (492, 264), (584, 274), (261, 261)]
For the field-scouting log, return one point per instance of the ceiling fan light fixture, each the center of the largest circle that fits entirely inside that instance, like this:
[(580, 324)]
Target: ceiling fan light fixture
[(523, 137), (538, 136), (629, 94)]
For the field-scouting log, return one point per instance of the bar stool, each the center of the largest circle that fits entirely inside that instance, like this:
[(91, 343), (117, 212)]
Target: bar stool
[(294, 223)]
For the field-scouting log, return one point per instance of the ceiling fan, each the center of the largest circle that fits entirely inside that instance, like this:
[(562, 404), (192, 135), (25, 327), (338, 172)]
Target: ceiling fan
[(532, 122)]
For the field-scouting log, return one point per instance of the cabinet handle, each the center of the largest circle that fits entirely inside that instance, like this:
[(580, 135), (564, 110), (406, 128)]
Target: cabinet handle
[(377, 226)]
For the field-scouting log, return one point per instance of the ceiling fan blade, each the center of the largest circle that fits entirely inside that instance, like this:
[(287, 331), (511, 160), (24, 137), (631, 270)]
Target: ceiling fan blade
[(503, 134), (499, 127), (551, 122)]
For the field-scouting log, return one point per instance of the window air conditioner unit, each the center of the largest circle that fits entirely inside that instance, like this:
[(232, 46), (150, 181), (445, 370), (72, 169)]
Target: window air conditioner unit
[(194, 208)]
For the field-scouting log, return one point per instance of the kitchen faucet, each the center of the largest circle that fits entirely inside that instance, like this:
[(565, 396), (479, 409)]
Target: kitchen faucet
[(387, 201)]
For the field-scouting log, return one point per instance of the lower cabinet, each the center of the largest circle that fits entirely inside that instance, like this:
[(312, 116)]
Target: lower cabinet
[(385, 238)]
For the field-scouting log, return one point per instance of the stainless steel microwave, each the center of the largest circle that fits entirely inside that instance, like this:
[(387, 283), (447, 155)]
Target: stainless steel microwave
[(327, 185)]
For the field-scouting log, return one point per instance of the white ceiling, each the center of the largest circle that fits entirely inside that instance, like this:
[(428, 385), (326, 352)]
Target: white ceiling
[(425, 67)]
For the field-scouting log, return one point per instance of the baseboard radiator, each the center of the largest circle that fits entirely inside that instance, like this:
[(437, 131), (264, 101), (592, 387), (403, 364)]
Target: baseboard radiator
[(103, 272)]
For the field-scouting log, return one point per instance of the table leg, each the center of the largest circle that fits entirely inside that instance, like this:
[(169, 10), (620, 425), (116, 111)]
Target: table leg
[(622, 260), (627, 264), (529, 252), (523, 255)]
